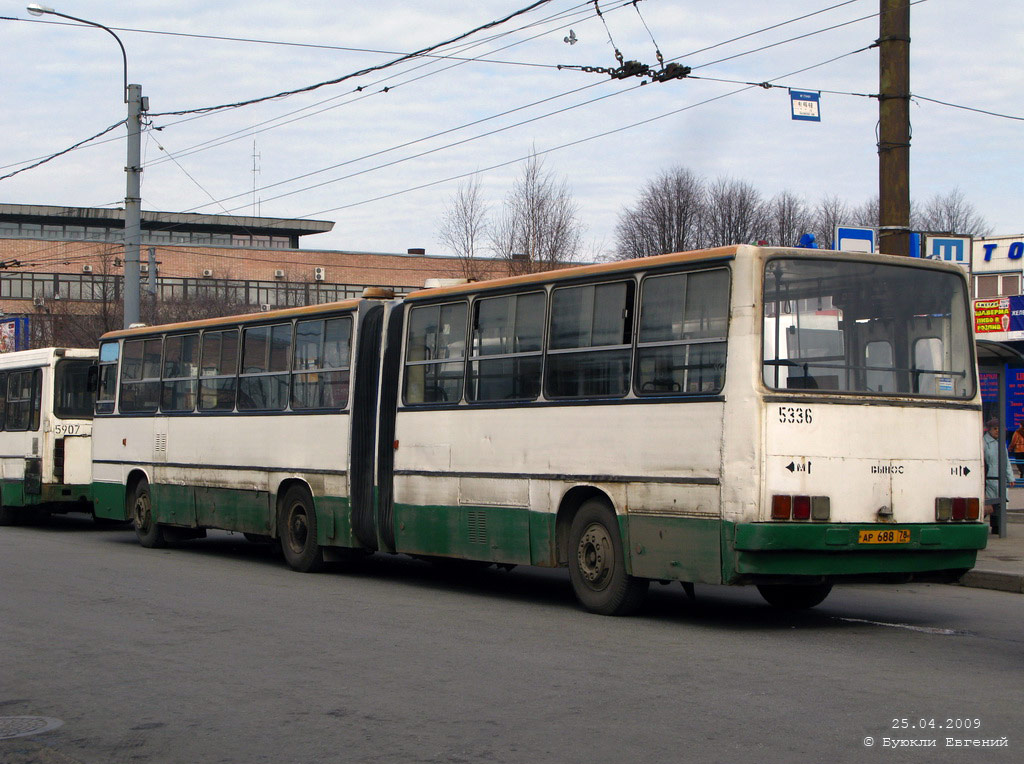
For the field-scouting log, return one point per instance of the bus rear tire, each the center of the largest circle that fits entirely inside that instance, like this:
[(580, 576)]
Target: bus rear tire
[(597, 563), (148, 531), (296, 527), (794, 596)]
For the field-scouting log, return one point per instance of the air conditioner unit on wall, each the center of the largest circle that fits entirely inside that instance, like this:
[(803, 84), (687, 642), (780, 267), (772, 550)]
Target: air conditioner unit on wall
[(39, 302), (143, 267), (207, 273), (279, 274), (319, 273), (86, 269), (264, 307)]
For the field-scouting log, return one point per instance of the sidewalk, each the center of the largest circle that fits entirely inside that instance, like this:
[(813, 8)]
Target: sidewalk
[(1001, 564)]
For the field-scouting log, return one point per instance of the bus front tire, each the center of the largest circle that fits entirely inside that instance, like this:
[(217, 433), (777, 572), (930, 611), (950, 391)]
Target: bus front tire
[(297, 530), (148, 531), (794, 596), (597, 563)]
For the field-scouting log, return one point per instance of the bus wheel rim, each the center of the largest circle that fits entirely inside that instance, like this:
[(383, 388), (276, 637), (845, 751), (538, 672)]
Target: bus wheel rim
[(298, 528), (142, 514), (595, 555)]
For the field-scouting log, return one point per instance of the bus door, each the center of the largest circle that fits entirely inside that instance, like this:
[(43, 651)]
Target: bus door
[(363, 426), (390, 365)]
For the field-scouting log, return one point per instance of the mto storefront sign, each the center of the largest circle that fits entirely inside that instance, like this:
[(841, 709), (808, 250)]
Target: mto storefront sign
[(1009, 248)]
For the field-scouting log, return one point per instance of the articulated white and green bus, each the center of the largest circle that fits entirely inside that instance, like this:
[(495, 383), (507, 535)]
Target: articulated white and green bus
[(46, 411), (778, 417)]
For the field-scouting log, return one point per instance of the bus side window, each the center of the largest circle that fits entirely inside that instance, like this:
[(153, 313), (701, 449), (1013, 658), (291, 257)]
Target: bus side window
[(505, 362), (140, 376), (263, 385), (684, 321), (20, 388), (181, 362), (107, 385), (589, 345), (434, 353), (217, 369), (37, 398), (321, 365)]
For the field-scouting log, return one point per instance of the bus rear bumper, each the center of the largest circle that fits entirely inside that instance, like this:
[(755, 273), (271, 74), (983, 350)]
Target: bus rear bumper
[(790, 552)]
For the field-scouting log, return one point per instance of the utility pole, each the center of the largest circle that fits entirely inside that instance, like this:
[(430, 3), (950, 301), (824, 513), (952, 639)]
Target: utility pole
[(133, 206), (894, 128)]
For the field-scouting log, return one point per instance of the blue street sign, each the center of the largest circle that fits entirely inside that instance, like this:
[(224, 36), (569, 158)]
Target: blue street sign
[(855, 239), (805, 105)]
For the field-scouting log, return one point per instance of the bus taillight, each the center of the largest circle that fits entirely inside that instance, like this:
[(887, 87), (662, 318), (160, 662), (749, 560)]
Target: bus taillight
[(782, 506), (958, 509), (801, 507)]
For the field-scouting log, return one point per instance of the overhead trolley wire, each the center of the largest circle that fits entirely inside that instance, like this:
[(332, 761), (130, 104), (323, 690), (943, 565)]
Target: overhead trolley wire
[(361, 72), (492, 132), (579, 141), (51, 157), (359, 94)]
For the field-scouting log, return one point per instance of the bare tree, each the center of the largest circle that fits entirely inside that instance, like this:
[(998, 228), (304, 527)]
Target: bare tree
[(830, 212), (788, 218), (78, 318), (464, 225), (538, 228), (667, 216), (952, 213), (866, 214), (735, 214)]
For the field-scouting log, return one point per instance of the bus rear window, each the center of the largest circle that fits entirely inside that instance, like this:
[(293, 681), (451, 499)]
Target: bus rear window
[(72, 398), (866, 327)]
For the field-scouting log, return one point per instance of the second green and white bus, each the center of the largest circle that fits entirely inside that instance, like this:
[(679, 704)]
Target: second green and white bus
[(785, 418), (46, 410)]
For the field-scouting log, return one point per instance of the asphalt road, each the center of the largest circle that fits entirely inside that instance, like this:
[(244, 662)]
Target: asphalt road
[(216, 652)]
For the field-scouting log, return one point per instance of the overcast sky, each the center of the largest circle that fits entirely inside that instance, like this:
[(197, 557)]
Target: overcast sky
[(62, 83)]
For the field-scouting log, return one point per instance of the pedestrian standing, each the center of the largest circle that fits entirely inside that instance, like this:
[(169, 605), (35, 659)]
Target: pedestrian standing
[(990, 441), (1017, 448)]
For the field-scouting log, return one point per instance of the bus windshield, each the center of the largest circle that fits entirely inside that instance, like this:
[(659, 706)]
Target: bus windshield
[(869, 328)]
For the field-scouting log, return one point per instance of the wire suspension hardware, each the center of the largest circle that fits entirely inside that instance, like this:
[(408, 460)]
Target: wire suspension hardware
[(627, 69)]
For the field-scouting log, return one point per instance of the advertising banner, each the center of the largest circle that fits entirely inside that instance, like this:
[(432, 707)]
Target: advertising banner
[(13, 334), (992, 315)]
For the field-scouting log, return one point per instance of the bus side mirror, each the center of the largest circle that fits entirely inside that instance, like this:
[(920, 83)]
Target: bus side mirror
[(92, 383)]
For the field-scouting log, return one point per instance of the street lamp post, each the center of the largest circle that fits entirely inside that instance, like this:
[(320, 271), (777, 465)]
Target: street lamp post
[(137, 105)]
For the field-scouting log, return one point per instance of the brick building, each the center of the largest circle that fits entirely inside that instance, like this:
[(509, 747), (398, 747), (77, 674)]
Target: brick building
[(72, 257)]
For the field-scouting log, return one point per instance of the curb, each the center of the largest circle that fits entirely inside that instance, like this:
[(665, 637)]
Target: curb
[(991, 579)]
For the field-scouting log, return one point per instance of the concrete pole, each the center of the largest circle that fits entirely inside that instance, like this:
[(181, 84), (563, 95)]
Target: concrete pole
[(133, 207), (894, 128)]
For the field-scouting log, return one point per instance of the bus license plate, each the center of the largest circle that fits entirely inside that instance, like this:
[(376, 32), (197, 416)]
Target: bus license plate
[(887, 536)]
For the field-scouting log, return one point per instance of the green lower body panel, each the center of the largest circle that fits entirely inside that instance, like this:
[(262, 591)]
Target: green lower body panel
[(753, 552), (109, 501), (13, 494), (226, 509), (496, 534), (675, 548)]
